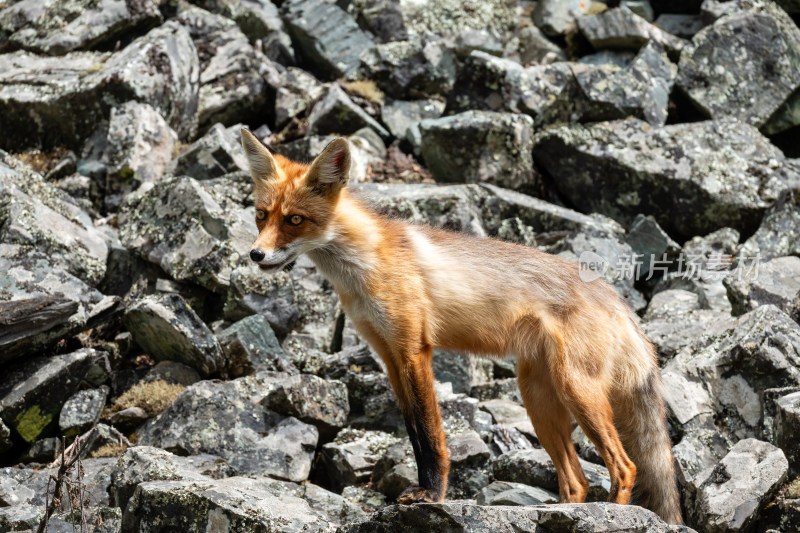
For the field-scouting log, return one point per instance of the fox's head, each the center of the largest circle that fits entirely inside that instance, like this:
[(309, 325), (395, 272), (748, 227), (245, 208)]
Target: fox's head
[(294, 202)]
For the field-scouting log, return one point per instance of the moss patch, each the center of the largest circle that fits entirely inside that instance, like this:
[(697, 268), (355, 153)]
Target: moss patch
[(30, 424)]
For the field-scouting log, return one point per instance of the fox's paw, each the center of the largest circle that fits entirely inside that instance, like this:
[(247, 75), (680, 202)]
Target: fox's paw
[(415, 494)]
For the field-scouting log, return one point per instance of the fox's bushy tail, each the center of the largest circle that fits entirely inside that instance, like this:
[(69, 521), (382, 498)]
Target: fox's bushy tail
[(645, 438)]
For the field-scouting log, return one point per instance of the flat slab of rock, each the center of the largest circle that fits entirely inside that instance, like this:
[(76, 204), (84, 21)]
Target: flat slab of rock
[(509, 493), (744, 65), (622, 28), (234, 503), (466, 517), (691, 190), (168, 329), (58, 28), (326, 35)]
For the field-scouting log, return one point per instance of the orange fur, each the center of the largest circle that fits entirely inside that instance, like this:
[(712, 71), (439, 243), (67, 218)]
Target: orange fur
[(409, 288)]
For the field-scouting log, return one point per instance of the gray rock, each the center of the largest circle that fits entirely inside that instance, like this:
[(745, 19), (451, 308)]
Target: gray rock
[(462, 370), (139, 146), (744, 65), (250, 346), (467, 517), (81, 411), (413, 69), (555, 17), (777, 235), (508, 493), (470, 39), (497, 389), (775, 282), (534, 467), (128, 420), (353, 454), (509, 413), (260, 21), (621, 28), (675, 319), (168, 329), (289, 301), (34, 212), (237, 81), (21, 517), (485, 82), (28, 486), (564, 92), (480, 147), (258, 441), (400, 116), (396, 470), (31, 395), (680, 25), (141, 464), (172, 372), (62, 27), (294, 97), (259, 504), (5, 437), (740, 486), (467, 449), (370, 500), (641, 89), (786, 427), (217, 153), (695, 456), (41, 451), (41, 303), (70, 95), (720, 381), (337, 113), (643, 8), (325, 35), (193, 236), (311, 399), (689, 191), (536, 49), (646, 238)]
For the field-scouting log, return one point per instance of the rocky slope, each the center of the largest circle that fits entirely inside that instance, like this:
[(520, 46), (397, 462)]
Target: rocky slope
[(659, 140)]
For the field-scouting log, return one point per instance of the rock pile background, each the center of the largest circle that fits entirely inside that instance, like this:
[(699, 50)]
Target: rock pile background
[(224, 399)]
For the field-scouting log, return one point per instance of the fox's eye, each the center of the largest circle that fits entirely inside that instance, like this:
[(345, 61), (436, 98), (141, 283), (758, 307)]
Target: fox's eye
[(296, 220), (261, 214)]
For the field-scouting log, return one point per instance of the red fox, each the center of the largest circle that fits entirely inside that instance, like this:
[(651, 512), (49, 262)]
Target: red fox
[(410, 288)]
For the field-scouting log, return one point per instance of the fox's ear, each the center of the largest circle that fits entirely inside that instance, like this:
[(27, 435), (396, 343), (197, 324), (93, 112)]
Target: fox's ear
[(331, 169), (262, 164)]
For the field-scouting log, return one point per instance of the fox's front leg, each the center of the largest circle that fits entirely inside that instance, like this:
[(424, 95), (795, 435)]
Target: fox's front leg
[(409, 365), (413, 385)]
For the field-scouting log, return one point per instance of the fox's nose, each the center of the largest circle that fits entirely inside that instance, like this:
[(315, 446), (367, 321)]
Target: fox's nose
[(256, 255)]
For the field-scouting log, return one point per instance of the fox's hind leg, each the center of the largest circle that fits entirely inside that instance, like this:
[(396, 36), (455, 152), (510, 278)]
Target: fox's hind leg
[(588, 402), (551, 420)]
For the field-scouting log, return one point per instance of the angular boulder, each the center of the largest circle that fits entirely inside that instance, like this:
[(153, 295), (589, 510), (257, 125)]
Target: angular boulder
[(744, 66), (168, 329), (692, 178), (480, 147)]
